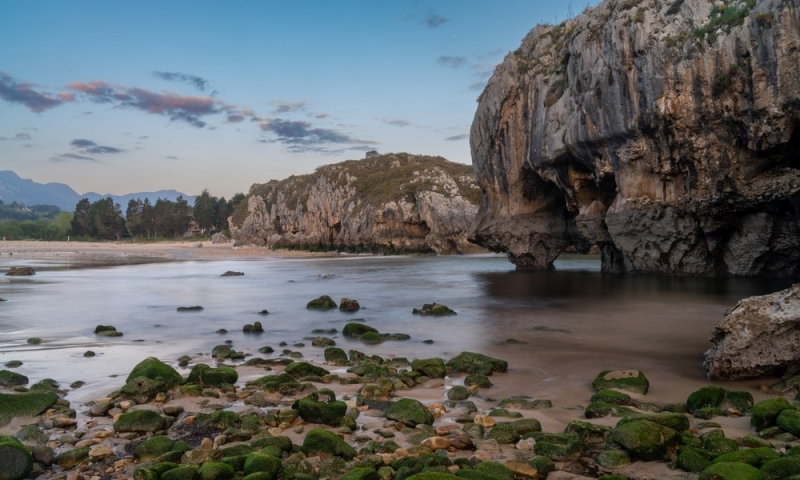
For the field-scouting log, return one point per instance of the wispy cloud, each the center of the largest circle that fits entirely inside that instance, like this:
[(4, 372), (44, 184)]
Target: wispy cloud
[(88, 146), (66, 157), (302, 136), (25, 93), (287, 107), (433, 20), (188, 109), (396, 122), (458, 138), (199, 83), (451, 61)]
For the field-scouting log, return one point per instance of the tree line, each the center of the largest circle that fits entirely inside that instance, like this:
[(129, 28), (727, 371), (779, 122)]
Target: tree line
[(103, 219), (45, 222)]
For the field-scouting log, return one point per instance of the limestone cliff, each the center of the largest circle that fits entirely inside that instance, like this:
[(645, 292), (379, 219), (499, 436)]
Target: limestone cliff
[(667, 132), (395, 202)]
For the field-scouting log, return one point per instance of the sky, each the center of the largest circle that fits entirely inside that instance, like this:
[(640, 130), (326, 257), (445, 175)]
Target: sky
[(121, 97)]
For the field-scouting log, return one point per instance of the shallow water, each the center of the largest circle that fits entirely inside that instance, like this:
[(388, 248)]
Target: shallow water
[(567, 325)]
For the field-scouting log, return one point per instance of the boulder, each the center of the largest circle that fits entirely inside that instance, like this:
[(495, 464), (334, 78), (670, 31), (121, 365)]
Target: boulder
[(349, 305), (207, 376), (231, 273), (433, 309), (9, 379), (323, 441), (646, 440), (335, 356), (300, 370), (324, 302), (630, 380), (757, 337), (106, 331), (20, 272), (410, 412), (16, 462), (731, 471), (355, 329), (24, 404), (321, 407), (476, 363), (430, 367), (152, 448), (766, 412), (155, 369), (139, 421)]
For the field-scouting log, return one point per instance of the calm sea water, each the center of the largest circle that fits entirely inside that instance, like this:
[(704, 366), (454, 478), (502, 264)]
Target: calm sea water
[(566, 325)]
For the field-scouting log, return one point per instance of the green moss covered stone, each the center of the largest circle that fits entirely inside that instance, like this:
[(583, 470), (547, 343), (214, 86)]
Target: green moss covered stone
[(335, 356), (324, 302), (410, 412), (24, 405), (629, 380), (321, 407), (765, 412), (731, 471), (645, 439), (216, 471), (155, 369), (16, 462), (476, 363), (430, 367), (183, 472), (9, 379), (139, 421), (433, 309), (323, 441)]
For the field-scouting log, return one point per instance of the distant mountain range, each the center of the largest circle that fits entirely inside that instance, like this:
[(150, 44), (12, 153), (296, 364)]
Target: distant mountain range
[(26, 191)]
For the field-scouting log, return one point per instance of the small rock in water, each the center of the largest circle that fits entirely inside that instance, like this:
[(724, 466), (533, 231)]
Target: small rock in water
[(433, 309), (231, 273), (195, 308), (34, 341), (89, 353), (13, 364), (222, 331), (263, 312), (20, 271), (349, 305)]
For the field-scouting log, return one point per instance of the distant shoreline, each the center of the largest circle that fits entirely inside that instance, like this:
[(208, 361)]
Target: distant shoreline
[(114, 252)]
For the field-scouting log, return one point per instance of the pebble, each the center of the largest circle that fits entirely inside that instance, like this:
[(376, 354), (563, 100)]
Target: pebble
[(220, 440), (485, 421), (85, 443), (126, 404), (436, 443), (443, 430), (523, 469), (75, 476), (100, 452), (64, 422), (206, 444), (172, 410)]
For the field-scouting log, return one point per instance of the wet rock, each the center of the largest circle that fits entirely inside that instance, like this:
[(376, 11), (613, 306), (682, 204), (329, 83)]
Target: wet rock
[(321, 407), (100, 409), (629, 380), (733, 471), (231, 273), (143, 389), (20, 272), (433, 309), (458, 393), (16, 462), (207, 376), (139, 421), (765, 412), (372, 338), (324, 302), (71, 458), (34, 341), (646, 440), (44, 455), (756, 337), (323, 441), (195, 308), (409, 412), (9, 379), (155, 369), (106, 331), (355, 329), (24, 404), (263, 312), (13, 364), (216, 471), (322, 342), (476, 363), (504, 433), (300, 370), (256, 327), (430, 367), (349, 305), (335, 356)]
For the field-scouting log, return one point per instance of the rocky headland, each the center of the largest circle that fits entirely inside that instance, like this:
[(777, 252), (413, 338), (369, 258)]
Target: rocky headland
[(666, 132), (392, 203)]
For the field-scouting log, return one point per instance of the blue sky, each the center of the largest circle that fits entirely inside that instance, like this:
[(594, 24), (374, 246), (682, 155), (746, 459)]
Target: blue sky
[(120, 97)]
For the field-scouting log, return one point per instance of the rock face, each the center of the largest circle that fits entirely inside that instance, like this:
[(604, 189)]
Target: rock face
[(395, 202), (759, 336), (665, 132)]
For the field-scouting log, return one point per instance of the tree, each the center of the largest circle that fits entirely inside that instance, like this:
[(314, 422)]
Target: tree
[(80, 220), (133, 217), (148, 218), (205, 211), (105, 219)]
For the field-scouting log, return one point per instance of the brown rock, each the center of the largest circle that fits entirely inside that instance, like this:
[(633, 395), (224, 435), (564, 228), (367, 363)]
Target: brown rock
[(436, 443), (523, 469)]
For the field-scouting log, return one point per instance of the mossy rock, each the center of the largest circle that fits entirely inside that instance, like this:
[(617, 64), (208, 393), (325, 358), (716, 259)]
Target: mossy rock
[(502, 412), (324, 441), (598, 410), (476, 363), (155, 369), (789, 421), (372, 338), (707, 397), (153, 448), (16, 462), (283, 442), (432, 476), (675, 421), (24, 405), (139, 421), (496, 470), (321, 303), (335, 356), (434, 310), (282, 383), (322, 342), (504, 433), (781, 468), (740, 400), (561, 447), (457, 393), (525, 403), (72, 458), (765, 412), (262, 462), (216, 471), (646, 440), (613, 459), (693, 460), (430, 367), (718, 445), (731, 471), (207, 376), (588, 433), (9, 379), (183, 472), (611, 397), (543, 464), (751, 456), (143, 473), (321, 407), (356, 329), (143, 389), (471, 474), (31, 436), (526, 425), (410, 412), (628, 380), (267, 476), (220, 420), (362, 473), (478, 380), (300, 370)]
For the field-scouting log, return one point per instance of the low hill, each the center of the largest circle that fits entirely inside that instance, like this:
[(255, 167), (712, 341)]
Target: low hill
[(387, 203)]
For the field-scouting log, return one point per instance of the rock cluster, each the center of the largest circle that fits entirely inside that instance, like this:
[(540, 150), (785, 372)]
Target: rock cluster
[(389, 203), (665, 132)]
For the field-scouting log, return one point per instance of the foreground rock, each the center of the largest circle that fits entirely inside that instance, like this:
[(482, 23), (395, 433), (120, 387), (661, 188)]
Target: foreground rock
[(20, 272), (666, 133), (387, 203), (759, 336)]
